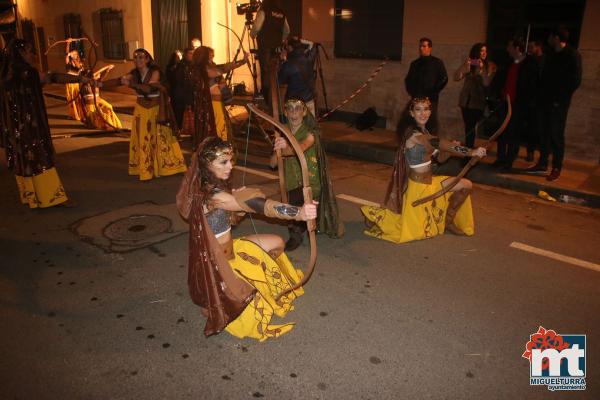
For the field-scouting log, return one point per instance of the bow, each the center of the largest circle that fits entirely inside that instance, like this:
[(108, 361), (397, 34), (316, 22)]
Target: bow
[(471, 162), (241, 47), (70, 40), (306, 190)]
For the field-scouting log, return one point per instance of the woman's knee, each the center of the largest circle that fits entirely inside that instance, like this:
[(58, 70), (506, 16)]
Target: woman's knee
[(278, 242), (272, 244), (463, 184)]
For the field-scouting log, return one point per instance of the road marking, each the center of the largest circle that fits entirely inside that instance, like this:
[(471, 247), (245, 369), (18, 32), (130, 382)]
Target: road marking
[(556, 256), (357, 200), (256, 172)]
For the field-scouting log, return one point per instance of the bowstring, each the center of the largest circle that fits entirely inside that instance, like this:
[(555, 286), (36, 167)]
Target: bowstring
[(283, 276), (246, 167)]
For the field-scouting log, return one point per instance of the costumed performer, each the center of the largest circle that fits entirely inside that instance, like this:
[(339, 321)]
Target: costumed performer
[(75, 102), (202, 105), (80, 98), (25, 131), (219, 90), (153, 149), (412, 179), (305, 129), (235, 281)]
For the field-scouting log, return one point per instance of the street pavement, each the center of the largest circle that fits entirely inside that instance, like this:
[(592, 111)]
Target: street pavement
[(445, 318)]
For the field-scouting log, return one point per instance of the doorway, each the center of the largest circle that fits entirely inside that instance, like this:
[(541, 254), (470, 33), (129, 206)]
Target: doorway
[(174, 23)]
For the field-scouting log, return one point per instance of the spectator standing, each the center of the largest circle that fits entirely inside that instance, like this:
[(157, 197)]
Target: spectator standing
[(535, 50), (195, 42), (520, 83), (182, 96), (560, 78), (174, 60), (426, 78), (477, 73)]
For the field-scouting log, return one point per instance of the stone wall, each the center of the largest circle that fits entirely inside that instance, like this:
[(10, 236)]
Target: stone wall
[(386, 92)]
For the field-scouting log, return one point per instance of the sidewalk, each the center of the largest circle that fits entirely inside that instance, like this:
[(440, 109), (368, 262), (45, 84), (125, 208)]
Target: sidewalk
[(578, 179)]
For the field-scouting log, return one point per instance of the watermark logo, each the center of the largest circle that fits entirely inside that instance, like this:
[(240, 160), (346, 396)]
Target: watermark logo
[(556, 361)]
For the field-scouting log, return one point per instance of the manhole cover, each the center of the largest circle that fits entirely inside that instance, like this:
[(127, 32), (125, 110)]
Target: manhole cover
[(137, 227)]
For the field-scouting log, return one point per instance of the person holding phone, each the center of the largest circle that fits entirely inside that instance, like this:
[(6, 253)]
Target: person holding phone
[(477, 73)]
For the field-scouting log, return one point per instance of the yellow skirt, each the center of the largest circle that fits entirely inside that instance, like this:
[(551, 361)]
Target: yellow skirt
[(222, 123), (153, 150), (43, 190), (75, 103), (420, 222), (98, 118), (270, 277)]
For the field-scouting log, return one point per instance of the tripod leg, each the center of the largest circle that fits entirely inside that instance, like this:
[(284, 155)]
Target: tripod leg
[(252, 45)]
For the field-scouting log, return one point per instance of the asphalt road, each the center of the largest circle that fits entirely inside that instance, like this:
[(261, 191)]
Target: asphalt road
[(446, 318)]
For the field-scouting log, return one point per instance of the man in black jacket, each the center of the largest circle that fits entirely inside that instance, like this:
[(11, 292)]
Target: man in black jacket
[(520, 83), (181, 95), (535, 50), (426, 78), (270, 30), (560, 78)]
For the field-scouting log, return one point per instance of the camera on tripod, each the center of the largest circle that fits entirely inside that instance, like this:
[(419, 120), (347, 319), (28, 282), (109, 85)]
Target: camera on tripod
[(248, 8)]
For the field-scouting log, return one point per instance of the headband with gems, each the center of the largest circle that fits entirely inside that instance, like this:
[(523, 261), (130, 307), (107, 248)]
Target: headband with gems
[(214, 153), (293, 103)]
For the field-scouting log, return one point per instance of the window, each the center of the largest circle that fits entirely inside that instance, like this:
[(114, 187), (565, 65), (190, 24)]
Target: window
[(369, 29), (113, 41), (72, 25)]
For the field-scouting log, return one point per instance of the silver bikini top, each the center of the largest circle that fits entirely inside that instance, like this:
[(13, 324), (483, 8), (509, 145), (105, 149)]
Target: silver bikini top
[(219, 221), (415, 155)]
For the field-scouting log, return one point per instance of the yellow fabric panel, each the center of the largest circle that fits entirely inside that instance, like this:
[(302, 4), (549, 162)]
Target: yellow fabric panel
[(421, 222), (270, 277), (153, 150), (221, 120), (43, 190), (75, 103), (98, 118)]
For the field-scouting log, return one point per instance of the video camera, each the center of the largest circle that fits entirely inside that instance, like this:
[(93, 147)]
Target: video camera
[(248, 8)]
